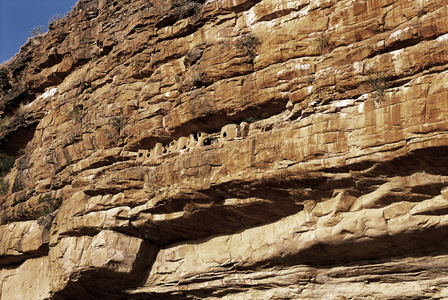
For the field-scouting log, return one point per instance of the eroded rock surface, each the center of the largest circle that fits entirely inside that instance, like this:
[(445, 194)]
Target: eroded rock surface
[(246, 149)]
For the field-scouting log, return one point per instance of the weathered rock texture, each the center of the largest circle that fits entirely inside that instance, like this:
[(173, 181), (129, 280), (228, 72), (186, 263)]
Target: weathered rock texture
[(243, 149)]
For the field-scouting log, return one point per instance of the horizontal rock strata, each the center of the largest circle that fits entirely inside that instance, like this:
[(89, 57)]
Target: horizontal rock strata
[(245, 149)]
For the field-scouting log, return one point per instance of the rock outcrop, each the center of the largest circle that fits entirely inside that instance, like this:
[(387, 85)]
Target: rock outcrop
[(244, 149)]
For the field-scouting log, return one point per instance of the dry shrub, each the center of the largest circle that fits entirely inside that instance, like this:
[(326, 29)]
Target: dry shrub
[(379, 84), (323, 44), (249, 44), (49, 207), (187, 8)]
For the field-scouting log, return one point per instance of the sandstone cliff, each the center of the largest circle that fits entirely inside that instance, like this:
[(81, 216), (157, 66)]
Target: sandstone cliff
[(231, 149)]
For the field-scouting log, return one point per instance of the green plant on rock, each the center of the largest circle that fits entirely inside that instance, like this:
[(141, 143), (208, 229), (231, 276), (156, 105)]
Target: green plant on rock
[(379, 84), (250, 120), (6, 164), (118, 122), (3, 187), (45, 199), (323, 44), (187, 8), (49, 207), (46, 218), (75, 113), (248, 43)]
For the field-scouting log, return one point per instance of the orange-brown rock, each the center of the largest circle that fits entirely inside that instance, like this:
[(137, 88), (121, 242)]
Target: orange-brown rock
[(246, 149)]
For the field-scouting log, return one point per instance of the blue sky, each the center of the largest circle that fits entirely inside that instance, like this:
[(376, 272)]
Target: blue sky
[(19, 17)]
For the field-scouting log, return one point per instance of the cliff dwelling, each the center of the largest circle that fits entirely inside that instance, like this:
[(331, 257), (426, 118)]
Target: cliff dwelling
[(246, 149)]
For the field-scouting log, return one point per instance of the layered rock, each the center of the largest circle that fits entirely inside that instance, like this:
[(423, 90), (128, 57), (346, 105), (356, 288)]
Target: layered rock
[(228, 149)]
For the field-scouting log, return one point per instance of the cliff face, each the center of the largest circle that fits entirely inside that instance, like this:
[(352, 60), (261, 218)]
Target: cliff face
[(238, 149)]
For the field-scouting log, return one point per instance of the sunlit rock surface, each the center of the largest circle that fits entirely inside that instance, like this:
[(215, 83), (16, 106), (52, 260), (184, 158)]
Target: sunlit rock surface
[(223, 149)]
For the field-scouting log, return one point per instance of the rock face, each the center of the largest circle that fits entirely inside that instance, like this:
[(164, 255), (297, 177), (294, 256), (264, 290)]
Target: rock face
[(244, 149)]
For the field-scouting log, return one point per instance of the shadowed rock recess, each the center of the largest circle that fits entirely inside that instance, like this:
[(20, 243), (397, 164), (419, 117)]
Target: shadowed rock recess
[(243, 149)]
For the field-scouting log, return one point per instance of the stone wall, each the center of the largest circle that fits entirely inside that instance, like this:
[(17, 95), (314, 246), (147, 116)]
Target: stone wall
[(228, 132)]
